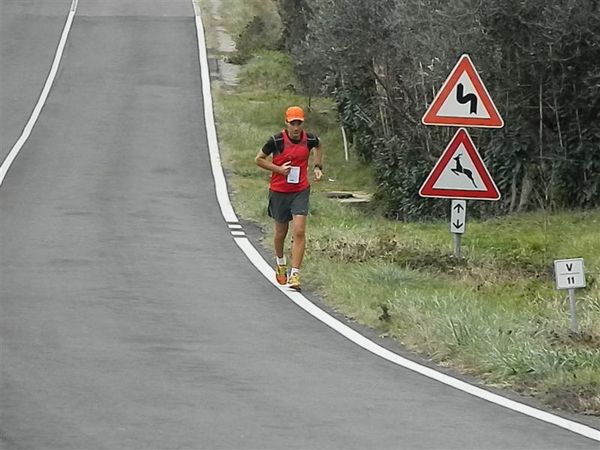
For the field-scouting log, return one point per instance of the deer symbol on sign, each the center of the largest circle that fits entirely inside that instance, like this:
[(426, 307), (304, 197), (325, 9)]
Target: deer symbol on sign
[(460, 169)]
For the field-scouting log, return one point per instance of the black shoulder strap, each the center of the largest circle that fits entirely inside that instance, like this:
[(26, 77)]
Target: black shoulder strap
[(278, 141)]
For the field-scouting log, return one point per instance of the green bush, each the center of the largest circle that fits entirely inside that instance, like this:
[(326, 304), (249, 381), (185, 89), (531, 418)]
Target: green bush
[(258, 34)]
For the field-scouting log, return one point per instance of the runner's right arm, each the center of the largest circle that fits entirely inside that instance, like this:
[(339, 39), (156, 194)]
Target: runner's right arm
[(262, 161)]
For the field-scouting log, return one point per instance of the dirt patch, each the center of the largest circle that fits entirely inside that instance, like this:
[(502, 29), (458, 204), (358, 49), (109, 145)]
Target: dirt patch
[(583, 340), (386, 248), (577, 399), (223, 45)]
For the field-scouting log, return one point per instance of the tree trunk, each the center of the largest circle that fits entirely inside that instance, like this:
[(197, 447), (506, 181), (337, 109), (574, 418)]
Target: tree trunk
[(513, 189), (525, 191)]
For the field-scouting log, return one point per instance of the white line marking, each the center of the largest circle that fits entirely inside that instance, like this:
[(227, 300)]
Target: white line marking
[(43, 96), (268, 272), (234, 226), (211, 131), (238, 233)]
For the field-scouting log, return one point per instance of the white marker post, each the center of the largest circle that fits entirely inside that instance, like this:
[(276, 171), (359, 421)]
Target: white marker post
[(458, 222), (570, 275)]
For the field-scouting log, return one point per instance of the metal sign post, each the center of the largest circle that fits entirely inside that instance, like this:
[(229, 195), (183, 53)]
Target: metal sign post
[(573, 311), (457, 243), (570, 275)]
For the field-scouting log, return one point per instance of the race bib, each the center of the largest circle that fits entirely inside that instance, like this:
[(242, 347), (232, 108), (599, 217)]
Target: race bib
[(294, 175)]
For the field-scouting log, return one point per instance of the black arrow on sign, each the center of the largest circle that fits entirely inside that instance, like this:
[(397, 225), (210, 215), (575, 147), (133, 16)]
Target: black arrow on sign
[(458, 225), (458, 207), (469, 98)]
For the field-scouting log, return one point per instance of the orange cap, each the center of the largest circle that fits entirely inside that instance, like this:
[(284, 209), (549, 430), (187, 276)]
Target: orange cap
[(294, 113)]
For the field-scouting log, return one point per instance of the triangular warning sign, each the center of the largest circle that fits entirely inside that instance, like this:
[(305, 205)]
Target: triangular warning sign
[(460, 173), (463, 100)]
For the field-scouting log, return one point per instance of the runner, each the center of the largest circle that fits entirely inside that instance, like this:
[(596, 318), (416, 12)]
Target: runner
[(289, 189)]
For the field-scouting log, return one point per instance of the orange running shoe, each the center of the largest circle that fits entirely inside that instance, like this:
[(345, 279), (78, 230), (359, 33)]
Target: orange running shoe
[(294, 281), (281, 274)]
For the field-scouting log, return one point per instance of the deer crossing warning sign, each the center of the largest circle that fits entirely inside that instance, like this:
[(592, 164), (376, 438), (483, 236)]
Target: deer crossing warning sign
[(463, 100), (460, 173)]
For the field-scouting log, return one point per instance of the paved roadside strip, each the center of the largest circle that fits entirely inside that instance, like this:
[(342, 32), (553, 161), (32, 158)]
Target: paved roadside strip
[(264, 267)]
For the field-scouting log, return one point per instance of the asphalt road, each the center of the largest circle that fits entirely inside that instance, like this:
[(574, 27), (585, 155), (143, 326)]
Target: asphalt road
[(129, 317)]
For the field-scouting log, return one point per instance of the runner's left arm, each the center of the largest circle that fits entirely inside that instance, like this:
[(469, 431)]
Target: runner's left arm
[(318, 161)]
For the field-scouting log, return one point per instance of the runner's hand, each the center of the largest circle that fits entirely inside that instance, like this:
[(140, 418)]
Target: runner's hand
[(318, 174), (285, 168)]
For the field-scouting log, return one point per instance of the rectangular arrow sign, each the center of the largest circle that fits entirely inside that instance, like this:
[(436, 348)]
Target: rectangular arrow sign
[(458, 216)]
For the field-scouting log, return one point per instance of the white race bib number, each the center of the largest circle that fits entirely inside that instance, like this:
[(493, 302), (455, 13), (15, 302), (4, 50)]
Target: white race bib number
[(294, 175)]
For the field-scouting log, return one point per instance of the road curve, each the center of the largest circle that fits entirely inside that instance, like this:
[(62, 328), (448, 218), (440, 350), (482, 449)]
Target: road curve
[(129, 317)]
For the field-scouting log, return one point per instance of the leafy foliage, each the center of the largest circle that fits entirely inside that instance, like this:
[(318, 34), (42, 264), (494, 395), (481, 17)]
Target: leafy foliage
[(260, 33)]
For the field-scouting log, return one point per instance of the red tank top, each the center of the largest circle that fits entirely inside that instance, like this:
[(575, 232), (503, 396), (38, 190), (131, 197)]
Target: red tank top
[(298, 155)]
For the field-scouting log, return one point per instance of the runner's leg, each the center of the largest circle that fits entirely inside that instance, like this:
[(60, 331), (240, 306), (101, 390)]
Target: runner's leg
[(281, 230), (298, 243)]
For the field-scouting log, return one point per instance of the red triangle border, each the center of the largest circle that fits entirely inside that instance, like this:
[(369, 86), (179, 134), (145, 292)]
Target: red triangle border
[(432, 116), (491, 191)]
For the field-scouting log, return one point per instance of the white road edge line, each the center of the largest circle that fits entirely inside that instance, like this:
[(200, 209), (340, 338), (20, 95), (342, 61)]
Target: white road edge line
[(258, 261), (43, 96), (211, 131)]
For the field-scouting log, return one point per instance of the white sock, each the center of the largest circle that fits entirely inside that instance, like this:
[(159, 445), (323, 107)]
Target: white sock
[(294, 270), (280, 261)]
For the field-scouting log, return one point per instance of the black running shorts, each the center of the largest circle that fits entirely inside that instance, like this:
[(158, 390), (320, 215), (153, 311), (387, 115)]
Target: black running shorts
[(283, 205)]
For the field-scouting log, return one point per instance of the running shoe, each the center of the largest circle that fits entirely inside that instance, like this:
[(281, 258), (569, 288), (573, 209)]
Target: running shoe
[(294, 281), (281, 274)]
